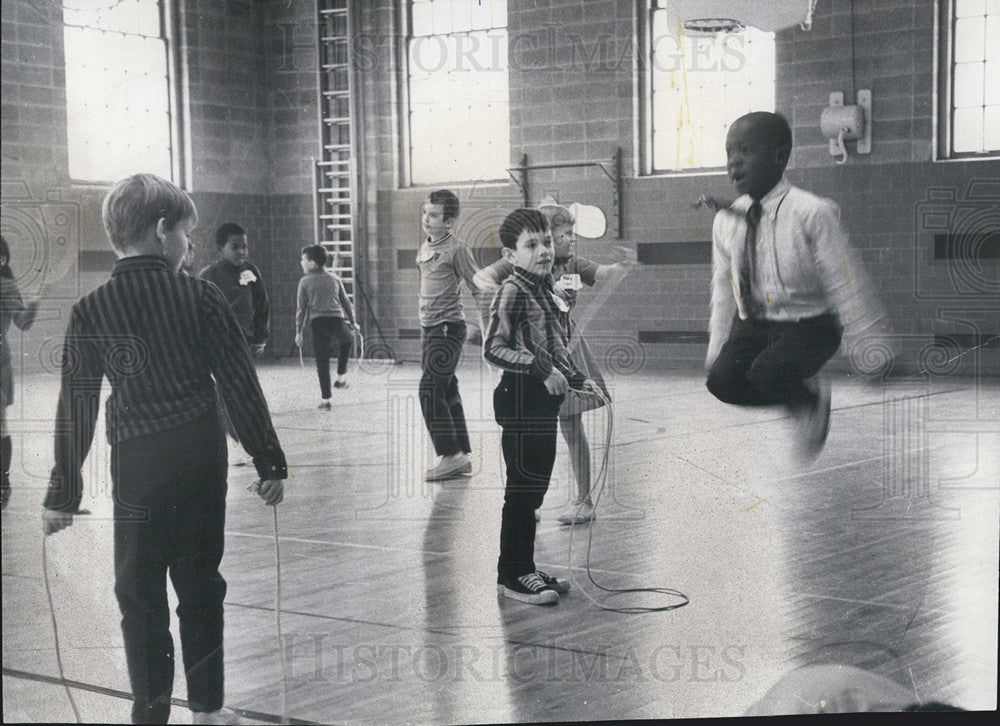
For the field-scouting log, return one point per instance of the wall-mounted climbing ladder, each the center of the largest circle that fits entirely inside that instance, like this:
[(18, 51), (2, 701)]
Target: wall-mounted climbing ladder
[(335, 192)]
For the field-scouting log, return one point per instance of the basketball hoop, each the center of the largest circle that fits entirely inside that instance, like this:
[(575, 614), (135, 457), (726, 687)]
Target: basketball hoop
[(713, 26)]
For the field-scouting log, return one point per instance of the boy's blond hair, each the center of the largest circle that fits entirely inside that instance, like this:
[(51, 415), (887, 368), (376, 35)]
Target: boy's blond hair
[(137, 203), (557, 214)]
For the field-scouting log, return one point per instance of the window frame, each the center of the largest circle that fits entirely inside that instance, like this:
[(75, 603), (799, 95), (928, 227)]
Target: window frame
[(173, 34), (643, 13), (404, 15), (943, 89)]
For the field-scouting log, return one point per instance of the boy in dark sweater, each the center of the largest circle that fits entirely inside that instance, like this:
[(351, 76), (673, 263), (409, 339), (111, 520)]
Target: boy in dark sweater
[(243, 288), (527, 341), (160, 337)]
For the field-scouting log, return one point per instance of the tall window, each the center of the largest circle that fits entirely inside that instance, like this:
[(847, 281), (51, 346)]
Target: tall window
[(117, 89), (457, 83), (695, 87), (971, 114)]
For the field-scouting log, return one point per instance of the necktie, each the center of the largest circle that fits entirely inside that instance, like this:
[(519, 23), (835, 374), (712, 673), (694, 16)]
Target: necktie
[(749, 262)]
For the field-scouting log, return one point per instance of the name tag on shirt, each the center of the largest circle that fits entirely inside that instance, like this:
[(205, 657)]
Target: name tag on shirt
[(560, 302), (425, 254), (569, 282)]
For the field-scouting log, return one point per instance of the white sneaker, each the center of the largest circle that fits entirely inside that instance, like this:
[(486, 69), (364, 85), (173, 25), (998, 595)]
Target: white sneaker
[(577, 512), (449, 467)]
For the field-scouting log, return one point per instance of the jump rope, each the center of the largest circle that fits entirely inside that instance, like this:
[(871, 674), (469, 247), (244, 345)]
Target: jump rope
[(597, 491), (598, 487)]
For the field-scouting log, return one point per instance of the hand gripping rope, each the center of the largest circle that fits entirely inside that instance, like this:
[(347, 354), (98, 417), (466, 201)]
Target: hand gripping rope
[(600, 481), (255, 486)]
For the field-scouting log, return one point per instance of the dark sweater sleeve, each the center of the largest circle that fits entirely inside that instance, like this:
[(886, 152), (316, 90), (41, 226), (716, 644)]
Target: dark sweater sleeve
[(261, 310), (234, 372), (76, 413)]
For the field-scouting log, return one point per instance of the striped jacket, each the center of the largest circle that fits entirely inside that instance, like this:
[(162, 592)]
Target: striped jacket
[(526, 333), (159, 338)]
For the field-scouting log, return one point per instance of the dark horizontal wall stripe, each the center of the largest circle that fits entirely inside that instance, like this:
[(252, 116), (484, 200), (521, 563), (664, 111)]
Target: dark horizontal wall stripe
[(695, 337), (97, 260), (406, 259), (967, 340), (409, 333), (675, 253), (970, 246)]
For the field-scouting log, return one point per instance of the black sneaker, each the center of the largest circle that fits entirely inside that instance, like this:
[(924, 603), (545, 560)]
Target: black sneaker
[(528, 588), (560, 586), (340, 384)]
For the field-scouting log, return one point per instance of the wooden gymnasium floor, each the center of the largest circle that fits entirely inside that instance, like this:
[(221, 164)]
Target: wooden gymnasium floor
[(883, 555)]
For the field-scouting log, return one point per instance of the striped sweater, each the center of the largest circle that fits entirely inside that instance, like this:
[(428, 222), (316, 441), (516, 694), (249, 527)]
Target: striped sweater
[(525, 334), (159, 337)]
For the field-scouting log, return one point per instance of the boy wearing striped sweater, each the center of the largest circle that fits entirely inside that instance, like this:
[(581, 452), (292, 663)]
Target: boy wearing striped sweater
[(160, 337)]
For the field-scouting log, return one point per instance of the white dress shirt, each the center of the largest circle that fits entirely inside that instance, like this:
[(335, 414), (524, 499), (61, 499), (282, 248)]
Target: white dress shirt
[(805, 265)]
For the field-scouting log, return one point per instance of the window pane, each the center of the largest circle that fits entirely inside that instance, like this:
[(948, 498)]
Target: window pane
[(970, 39), (968, 134), (421, 18), (968, 84), (993, 33), (991, 129), (700, 85), (460, 117), (991, 83), (117, 94), (964, 8)]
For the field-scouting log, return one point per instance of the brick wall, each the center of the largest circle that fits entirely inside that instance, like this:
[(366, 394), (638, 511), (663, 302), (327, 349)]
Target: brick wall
[(571, 96), (253, 118)]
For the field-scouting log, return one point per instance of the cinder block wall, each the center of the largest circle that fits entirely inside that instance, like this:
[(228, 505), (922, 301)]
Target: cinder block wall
[(254, 120), (572, 97)]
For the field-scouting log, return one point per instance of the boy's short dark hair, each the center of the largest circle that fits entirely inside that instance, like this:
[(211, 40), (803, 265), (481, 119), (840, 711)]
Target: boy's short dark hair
[(225, 231), (773, 124), (135, 204), (448, 201), (521, 220), (316, 253)]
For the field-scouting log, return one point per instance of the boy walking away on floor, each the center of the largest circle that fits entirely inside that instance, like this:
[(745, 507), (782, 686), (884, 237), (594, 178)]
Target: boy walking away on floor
[(444, 262), (784, 287), (160, 337), (323, 301), (570, 273), (526, 339)]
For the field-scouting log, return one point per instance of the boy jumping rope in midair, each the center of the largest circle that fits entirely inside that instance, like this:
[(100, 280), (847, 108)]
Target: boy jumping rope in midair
[(785, 284)]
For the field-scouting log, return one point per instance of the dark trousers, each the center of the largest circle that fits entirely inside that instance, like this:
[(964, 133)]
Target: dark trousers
[(440, 400), (764, 363), (325, 330), (170, 513), (527, 413)]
